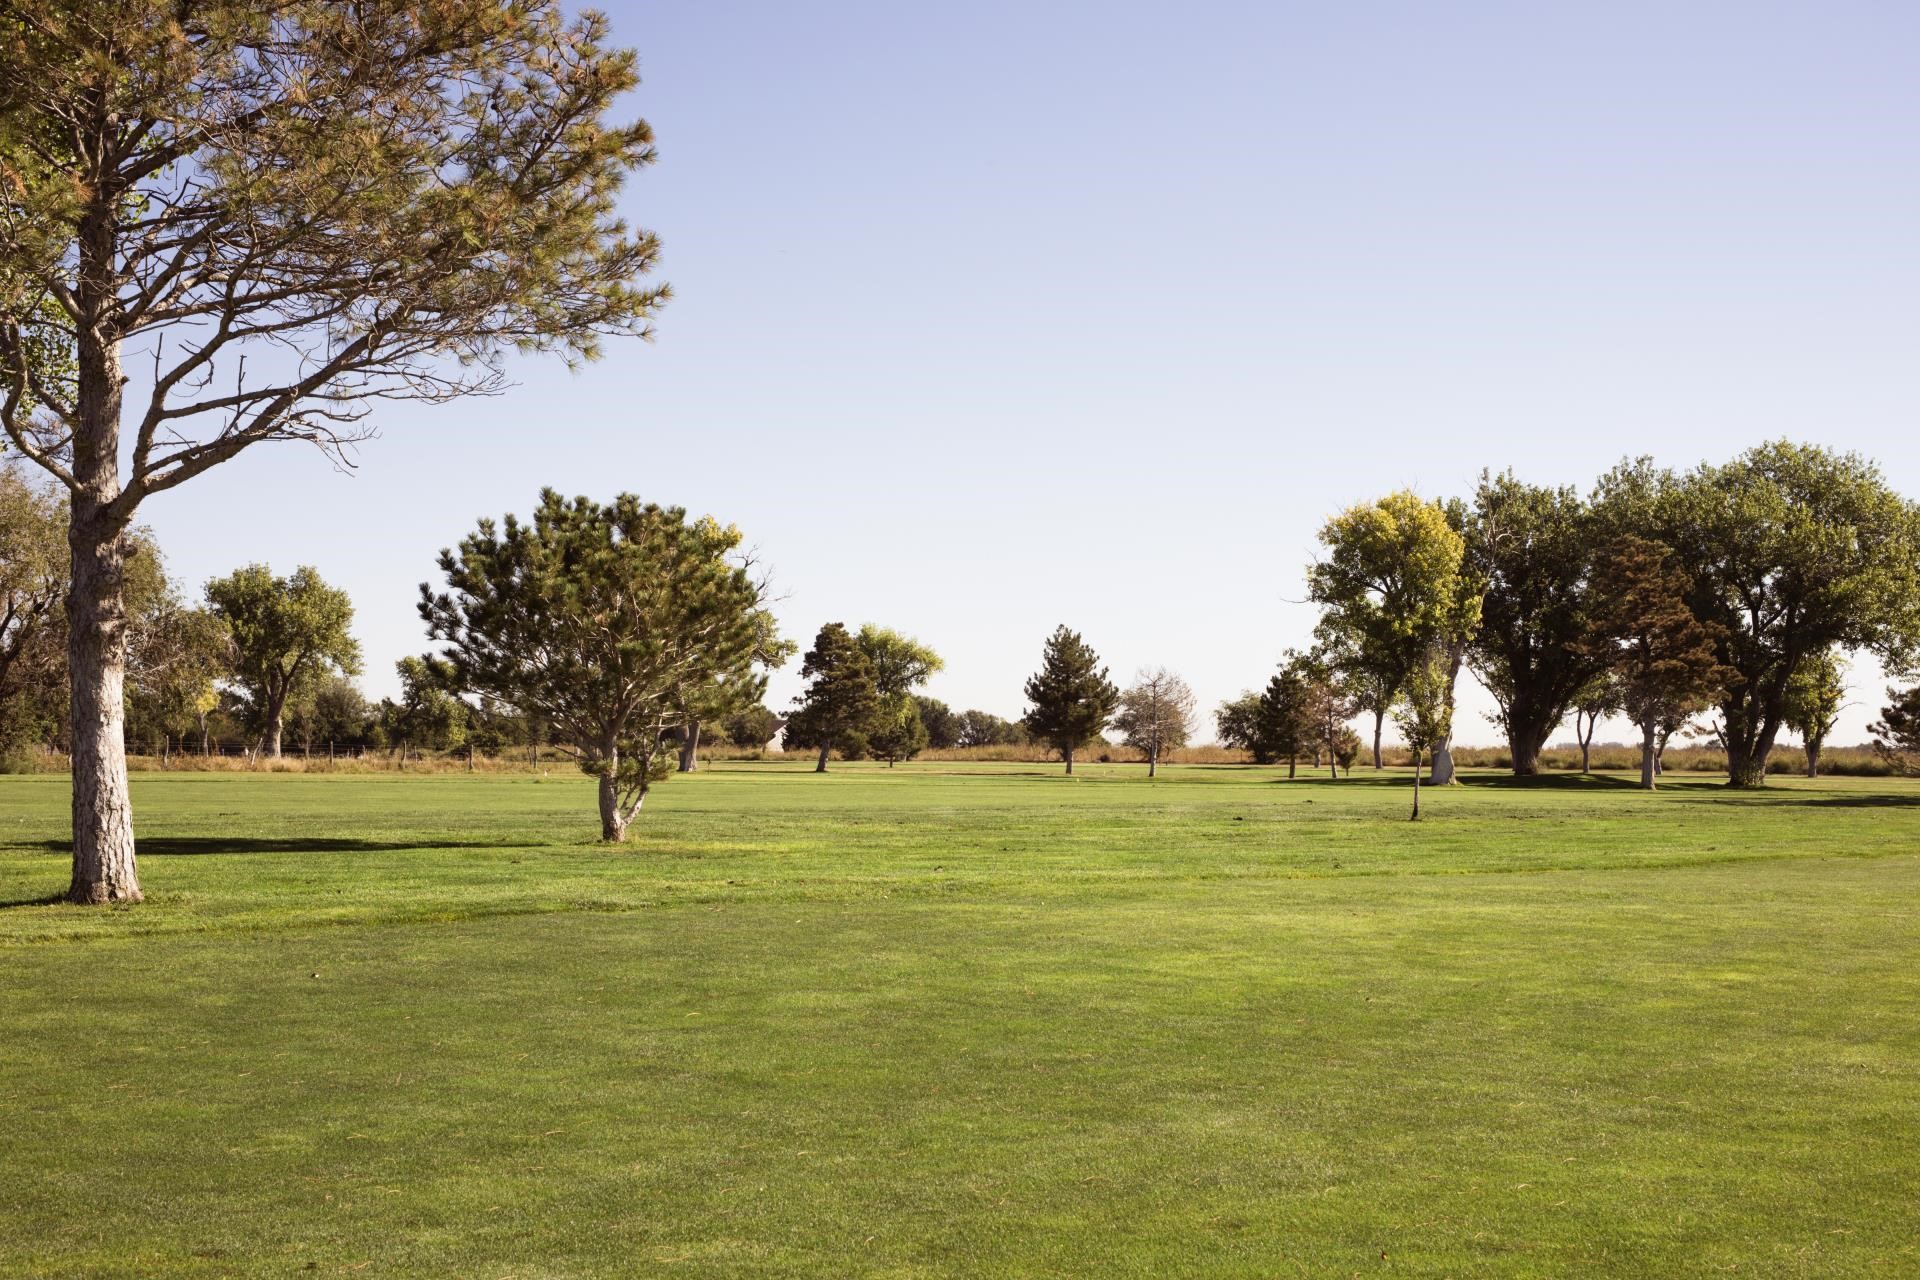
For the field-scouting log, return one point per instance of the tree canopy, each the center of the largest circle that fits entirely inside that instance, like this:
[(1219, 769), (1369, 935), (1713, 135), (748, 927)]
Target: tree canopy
[(602, 621), (1071, 698), (287, 634)]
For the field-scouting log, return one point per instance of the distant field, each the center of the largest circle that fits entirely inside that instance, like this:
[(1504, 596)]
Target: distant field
[(966, 1020)]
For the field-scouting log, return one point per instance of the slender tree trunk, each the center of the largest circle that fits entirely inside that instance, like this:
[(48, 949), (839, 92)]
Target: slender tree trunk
[(1586, 737), (690, 747), (821, 767), (1379, 720), (1069, 755), (1292, 762), (1416, 788), (1153, 760), (1647, 730)]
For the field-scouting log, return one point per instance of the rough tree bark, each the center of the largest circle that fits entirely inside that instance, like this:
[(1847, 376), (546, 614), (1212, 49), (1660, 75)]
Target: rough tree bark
[(1153, 760), (690, 747), (821, 766), (103, 855), (1647, 753), (1068, 753), (1379, 721)]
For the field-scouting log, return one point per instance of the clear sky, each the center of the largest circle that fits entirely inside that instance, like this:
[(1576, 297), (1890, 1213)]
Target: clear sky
[(999, 315)]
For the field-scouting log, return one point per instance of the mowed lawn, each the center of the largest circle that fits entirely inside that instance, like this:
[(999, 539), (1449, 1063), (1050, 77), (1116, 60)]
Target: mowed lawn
[(966, 1021)]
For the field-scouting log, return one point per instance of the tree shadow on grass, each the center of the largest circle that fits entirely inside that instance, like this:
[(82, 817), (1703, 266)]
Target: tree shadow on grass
[(200, 846), (44, 900)]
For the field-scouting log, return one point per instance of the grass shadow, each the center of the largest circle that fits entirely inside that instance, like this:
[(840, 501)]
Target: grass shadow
[(44, 900)]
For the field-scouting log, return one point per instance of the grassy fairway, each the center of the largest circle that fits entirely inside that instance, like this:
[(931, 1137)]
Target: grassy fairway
[(950, 1021)]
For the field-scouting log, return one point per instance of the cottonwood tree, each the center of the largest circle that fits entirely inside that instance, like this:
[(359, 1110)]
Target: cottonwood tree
[(1156, 714), (1662, 656), (1598, 698), (1071, 698), (897, 732), (287, 213), (1531, 548), (753, 727), (599, 621), (1395, 589), (426, 716), (1236, 723), (176, 658), (287, 634), (943, 726), (33, 581), (1424, 714), (1816, 695), (900, 663), (984, 729), (842, 700), (1792, 550)]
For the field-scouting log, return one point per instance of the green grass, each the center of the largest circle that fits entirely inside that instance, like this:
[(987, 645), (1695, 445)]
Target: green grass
[(965, 1021)]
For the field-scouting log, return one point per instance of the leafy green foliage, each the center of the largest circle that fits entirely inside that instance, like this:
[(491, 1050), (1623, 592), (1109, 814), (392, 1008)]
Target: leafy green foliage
[(900, 663), (943, 724), (1792, 550), (896, 732), (604, 622), (1531, 547), (1071, 698), (984, 729), (287, 634)]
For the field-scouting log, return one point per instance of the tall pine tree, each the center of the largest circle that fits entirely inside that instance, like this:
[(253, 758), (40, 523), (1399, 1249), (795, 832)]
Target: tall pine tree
[(842, 700), (1072, 698)]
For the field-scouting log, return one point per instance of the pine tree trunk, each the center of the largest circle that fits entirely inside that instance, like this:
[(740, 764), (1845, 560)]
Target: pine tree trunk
[(103, 853), (690, 747), (613, 823), (1379, 720)]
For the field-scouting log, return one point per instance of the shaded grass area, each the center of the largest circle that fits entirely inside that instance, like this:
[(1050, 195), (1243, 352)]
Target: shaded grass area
[(955, 1023)]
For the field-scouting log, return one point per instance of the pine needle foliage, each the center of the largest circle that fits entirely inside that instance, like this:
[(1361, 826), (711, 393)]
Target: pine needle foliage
[(1072, 699), (605, 622)]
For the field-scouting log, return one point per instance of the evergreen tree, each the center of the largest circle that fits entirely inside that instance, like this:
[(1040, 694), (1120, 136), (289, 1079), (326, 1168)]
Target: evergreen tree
[(601, 623), (1662, 655), (1072, 699), (1284, 727), (374, 201), (839, 706), (1896, 736)]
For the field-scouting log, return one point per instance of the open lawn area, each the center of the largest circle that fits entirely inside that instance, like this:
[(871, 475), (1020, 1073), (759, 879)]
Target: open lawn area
[(964, 1021)]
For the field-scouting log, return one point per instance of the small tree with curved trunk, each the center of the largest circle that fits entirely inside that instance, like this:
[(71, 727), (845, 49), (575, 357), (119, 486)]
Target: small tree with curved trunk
[(603, 622), (1071, 698), (1816, 696), (1156, 714), (1424, 715), (299, 209), (287, 635)]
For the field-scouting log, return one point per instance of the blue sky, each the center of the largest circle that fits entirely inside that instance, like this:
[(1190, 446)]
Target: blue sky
[(1000, 315)]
